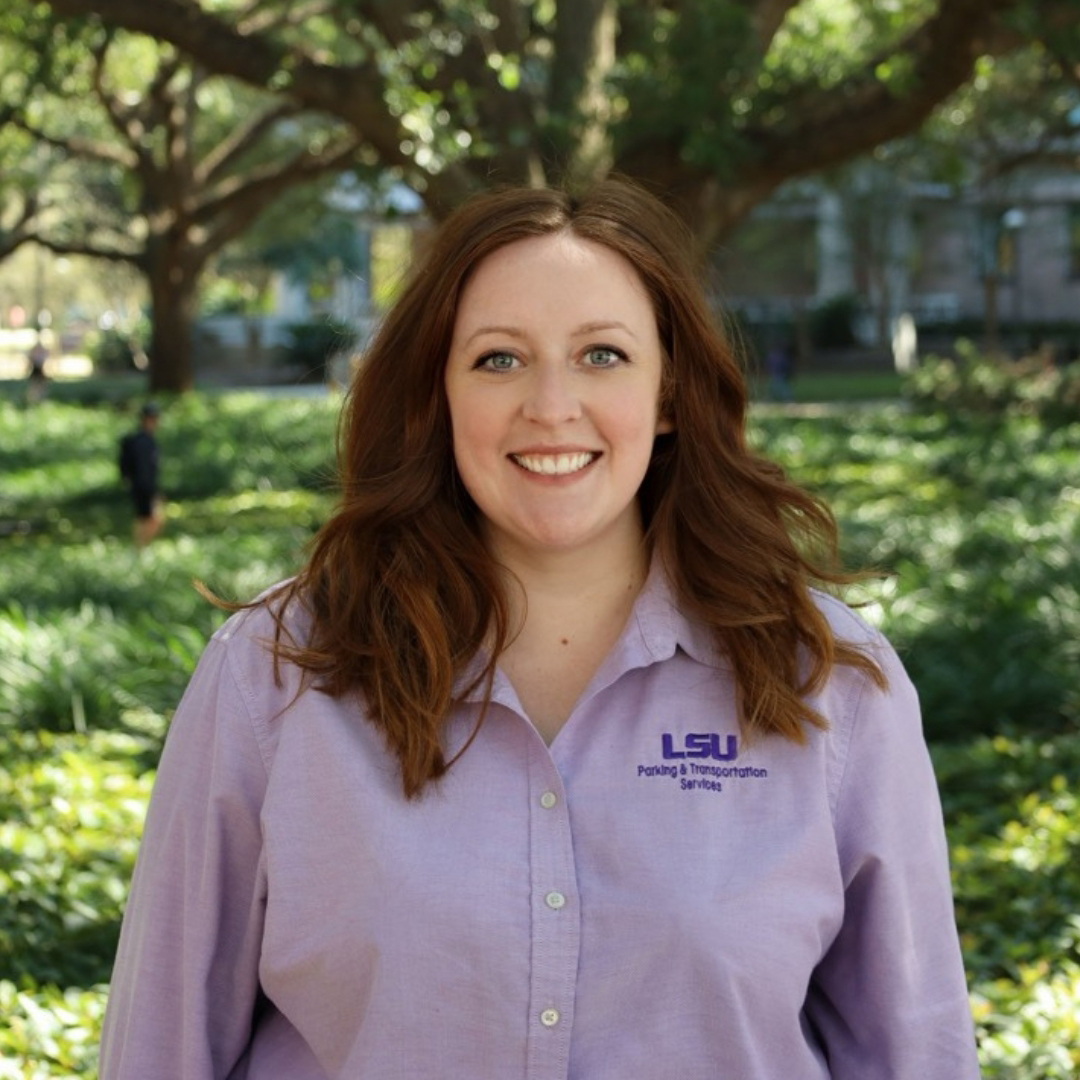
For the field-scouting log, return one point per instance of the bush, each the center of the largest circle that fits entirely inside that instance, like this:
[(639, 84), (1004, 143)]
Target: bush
[(978, 384), (117, 352)]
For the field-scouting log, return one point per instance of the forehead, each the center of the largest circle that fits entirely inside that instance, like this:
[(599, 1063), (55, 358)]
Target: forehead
[(560, 273)]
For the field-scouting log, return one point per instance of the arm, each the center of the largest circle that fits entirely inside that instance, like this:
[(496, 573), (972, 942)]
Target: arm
[(889, 999), (185, 983)]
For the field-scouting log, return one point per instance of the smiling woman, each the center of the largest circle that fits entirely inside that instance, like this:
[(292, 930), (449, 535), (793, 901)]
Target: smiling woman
[(553, 741), (553, 384)]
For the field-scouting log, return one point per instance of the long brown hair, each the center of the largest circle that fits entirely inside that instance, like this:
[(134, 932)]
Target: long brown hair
[(401, 591)]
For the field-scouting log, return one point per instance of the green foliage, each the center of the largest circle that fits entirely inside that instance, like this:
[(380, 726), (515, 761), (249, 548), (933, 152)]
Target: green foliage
[(1014, 824), (976, 516), (72, 813), (1025, 99), (96, 645), (115, 351), (976, 523), (976, 384)]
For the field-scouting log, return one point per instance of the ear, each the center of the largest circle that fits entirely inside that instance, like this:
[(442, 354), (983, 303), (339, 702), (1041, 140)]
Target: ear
[(665, 425)]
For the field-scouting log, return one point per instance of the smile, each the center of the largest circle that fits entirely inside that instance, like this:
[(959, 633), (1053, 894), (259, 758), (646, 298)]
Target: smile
[(554, 464)]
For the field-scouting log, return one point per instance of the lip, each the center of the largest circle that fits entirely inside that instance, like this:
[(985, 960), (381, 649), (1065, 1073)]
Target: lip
[(545, 450)]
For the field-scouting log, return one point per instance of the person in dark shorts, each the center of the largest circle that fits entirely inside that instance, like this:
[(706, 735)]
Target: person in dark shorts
[(139, 470)]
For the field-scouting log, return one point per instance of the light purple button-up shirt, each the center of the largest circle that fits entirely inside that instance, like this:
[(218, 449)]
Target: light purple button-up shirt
[(651, 897)]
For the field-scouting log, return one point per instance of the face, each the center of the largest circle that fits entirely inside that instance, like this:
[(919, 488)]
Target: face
[(553, 383)]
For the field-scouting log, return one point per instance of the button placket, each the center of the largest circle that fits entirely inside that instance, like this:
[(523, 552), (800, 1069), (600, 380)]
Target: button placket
[(556, 926)]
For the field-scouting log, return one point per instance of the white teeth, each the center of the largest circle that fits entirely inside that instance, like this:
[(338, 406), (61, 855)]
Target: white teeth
[(553, 464)]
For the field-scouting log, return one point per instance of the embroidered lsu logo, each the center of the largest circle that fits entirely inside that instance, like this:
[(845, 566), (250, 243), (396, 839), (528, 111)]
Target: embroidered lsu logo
[(706, 745)]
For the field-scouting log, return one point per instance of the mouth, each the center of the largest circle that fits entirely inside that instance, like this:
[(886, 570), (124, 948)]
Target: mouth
[(554, 464)]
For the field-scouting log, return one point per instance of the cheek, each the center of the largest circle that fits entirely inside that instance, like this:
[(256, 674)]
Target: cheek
[(475, 437), (635, 418)]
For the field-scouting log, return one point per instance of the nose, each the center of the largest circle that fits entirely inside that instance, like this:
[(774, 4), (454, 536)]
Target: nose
[(551, 396)]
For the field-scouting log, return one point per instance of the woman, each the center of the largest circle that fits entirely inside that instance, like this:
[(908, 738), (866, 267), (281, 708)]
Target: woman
[(550, 762)]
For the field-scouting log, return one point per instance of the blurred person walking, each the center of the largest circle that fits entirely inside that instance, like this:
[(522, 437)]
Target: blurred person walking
[(139, 470)]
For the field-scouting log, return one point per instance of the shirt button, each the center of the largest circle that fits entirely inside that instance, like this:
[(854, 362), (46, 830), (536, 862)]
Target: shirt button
[(548, 799), (555, 900), (549, 1017)]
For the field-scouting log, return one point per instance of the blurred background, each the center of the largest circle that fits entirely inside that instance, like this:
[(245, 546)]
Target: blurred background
[(211, 202)]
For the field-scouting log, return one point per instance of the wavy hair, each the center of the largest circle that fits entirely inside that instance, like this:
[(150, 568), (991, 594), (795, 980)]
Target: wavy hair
[(402, 595)]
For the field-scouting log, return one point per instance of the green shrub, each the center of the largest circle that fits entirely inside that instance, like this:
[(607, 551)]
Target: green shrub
[(1014, 822), (978, 384)]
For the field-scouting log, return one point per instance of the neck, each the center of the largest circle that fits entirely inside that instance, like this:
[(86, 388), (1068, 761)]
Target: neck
[(566, 613), (545, 589)]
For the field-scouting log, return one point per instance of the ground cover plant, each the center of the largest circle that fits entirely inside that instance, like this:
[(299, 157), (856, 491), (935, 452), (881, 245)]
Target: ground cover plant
[(975, 518)]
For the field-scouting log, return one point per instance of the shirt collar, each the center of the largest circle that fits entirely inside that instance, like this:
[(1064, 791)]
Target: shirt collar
[(658, 627)]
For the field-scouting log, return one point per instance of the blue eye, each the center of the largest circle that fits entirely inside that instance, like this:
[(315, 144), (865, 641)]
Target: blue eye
[(602, 356), (497, 361)]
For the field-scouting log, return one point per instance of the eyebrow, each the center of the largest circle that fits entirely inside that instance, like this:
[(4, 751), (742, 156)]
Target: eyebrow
[(580, 331)]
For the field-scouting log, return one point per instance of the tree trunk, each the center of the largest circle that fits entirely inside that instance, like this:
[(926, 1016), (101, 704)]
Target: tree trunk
[(172, 312)]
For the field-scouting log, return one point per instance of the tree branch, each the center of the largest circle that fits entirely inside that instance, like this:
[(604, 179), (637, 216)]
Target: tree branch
[(217, 161), (119, 116), (231, 210), (766, 18), (352, 92), (511, 33), (88, 247), (76, 147), (13, 238), (819, 128), (260, 18)]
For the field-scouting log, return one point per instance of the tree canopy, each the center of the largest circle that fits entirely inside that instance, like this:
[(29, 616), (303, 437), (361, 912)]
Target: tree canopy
[(714, 102), (157, 133), (151, 160)]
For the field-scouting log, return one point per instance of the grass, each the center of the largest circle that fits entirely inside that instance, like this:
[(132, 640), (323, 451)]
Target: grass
[(846, 386), (976, 521)]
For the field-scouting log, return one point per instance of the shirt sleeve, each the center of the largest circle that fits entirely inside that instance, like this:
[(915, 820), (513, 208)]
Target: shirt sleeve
[(889, 1000), (185, 983)]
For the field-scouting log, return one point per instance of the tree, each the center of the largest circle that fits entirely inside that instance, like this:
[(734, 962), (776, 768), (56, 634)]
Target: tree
[(22, 164), (19, 200), (159, 163), (714, 102)]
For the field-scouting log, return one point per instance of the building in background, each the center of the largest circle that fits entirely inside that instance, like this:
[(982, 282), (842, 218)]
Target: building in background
[(840, 265)]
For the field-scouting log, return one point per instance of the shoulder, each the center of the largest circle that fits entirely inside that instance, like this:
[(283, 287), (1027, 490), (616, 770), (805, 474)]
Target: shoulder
[(846, 623), (241, 655), (856, 685), (867, 721), (275, 614)]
